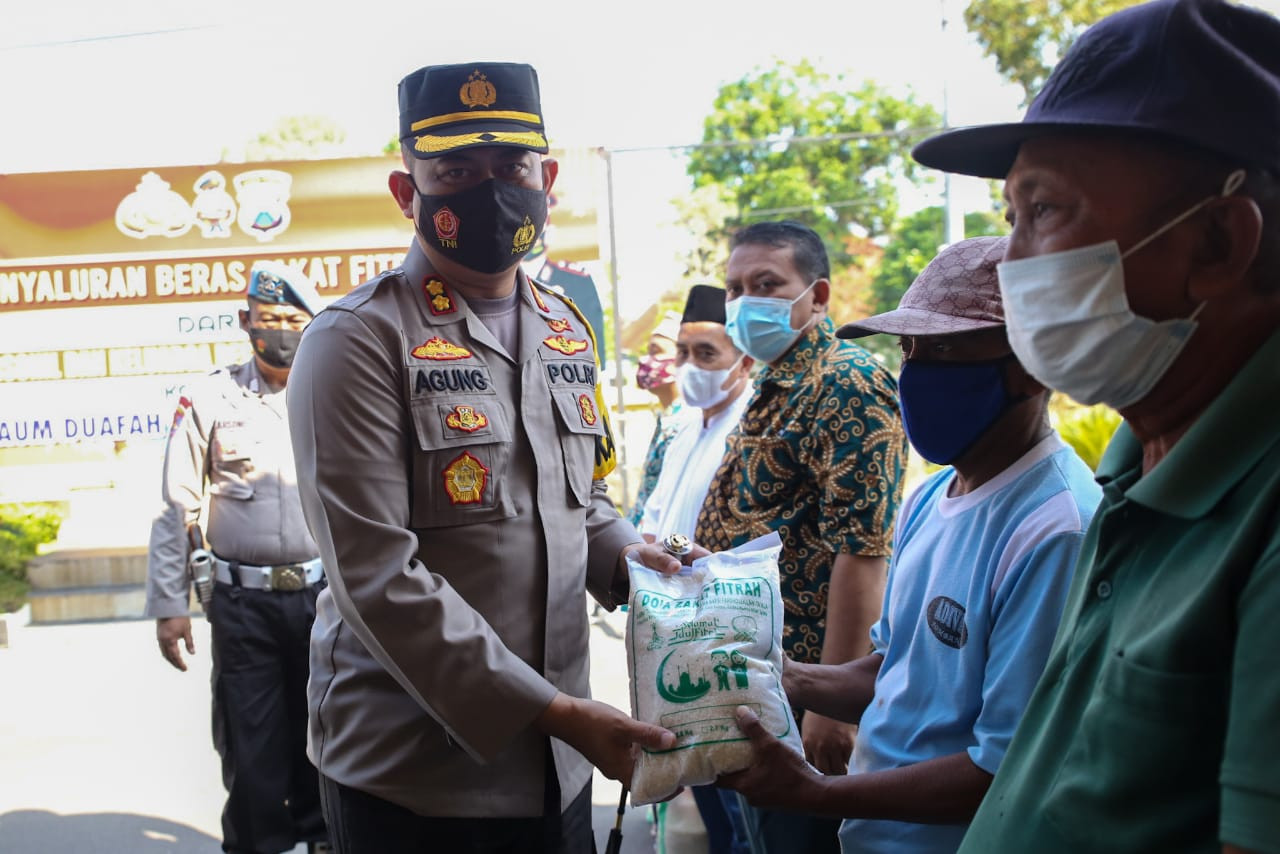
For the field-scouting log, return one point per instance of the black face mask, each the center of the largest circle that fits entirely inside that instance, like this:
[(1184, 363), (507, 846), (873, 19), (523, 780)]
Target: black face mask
[(276, 347), (487, 228)]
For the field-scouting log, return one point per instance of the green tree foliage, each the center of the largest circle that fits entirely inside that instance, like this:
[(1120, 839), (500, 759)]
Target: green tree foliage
[(756, 149), (23, 529), (1028, 37), (1087, 429), (914, 242), (297, 138)]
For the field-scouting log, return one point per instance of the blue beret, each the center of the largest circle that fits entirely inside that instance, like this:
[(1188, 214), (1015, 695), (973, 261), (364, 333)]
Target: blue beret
[(281, 284)]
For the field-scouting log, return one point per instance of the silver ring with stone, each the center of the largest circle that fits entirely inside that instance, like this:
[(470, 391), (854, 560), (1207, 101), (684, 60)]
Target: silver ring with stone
[(677, 545)]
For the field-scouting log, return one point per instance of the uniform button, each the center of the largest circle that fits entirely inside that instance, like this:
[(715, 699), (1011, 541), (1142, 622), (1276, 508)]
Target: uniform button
[(1104, 589)]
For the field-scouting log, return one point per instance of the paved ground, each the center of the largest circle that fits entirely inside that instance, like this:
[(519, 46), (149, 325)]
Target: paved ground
[(106, 749)]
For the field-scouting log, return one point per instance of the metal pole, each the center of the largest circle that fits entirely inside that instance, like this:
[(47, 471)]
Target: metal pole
[(620, 426), (952, 216)]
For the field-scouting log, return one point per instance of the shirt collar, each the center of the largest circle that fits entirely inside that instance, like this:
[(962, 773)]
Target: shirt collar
[(807, 350), (1219, 449)]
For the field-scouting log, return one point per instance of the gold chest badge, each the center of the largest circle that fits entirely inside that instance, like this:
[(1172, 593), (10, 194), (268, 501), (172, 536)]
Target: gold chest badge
[(587, 408), (439, 350), (464, 479), (438, 298), (568, 346), (559, 324), (468, 419)]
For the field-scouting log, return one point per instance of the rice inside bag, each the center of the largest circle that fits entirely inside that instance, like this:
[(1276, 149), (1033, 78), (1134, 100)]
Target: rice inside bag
[(700, 643)]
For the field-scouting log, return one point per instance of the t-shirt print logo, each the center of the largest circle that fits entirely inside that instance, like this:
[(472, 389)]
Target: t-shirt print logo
[(946, 621)]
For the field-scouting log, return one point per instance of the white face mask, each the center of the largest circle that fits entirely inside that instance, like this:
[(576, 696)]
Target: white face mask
[(702, 388), (1070, 325)]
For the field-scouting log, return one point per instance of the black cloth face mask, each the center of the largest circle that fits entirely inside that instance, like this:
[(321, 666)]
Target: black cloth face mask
[(276, 347), (487, 228)]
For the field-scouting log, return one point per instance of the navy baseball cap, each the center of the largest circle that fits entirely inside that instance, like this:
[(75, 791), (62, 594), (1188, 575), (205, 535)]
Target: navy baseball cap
[(1205, 73), (281, 284), (446, 108)]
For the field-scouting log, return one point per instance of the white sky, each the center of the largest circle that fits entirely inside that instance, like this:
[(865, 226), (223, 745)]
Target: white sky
[(165, 82)]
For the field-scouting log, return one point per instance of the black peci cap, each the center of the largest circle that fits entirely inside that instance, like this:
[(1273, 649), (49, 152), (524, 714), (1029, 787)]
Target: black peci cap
[(446, 108), (705, 304)]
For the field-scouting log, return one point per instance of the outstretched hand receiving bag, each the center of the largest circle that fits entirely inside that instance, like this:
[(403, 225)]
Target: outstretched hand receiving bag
[(700, 643)]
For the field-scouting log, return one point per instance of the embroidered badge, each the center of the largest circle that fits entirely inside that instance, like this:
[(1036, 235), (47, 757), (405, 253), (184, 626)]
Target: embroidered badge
[(439, 350), (559, 324), (464, 480), (522, 240), (568, 346), (468, 419), (477, 91), (587, 409), (438, 298), (537, 298), (446, 223)]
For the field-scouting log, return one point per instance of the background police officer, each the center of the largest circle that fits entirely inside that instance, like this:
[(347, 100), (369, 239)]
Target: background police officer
[(229, 453)]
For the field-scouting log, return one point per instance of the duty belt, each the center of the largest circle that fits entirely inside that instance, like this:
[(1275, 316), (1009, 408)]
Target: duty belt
[(286, 577)]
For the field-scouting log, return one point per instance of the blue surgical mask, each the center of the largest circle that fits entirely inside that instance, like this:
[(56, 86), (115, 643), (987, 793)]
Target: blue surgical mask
[(761, 326), (947, 406)]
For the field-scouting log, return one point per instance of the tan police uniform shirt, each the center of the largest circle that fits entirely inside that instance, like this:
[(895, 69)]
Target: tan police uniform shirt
[(230, 434), (451, 488)]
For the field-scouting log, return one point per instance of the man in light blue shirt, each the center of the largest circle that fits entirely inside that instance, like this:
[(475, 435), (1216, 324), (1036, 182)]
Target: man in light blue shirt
[(983, 557)]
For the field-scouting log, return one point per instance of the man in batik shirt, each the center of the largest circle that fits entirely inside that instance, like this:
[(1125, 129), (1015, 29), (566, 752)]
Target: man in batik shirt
[(819, 458)]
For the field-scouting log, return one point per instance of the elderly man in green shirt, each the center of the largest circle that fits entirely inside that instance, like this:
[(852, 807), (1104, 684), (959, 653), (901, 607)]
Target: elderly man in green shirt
[(1143, 272)]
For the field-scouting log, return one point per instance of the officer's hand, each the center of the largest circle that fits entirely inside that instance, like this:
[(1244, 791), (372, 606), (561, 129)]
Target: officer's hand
[(777, 776), (655, 557), (169, 630), (828, 743), (601, 733)]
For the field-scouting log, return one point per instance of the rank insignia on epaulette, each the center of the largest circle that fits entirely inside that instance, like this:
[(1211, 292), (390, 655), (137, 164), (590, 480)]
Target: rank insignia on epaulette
[(559, 324), (587, 408), (568, 346), (439, 299), (537, 298), (468, 419), (439, 350), (464, 480)]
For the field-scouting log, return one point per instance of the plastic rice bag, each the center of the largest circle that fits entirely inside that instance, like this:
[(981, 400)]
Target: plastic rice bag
[(700, 643)]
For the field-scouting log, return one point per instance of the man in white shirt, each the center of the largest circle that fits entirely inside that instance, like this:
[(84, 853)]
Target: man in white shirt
[(714, 378)]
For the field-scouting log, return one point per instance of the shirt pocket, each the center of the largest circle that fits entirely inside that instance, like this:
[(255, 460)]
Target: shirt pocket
[(231, 465), (581, 428), (460, 464), (1129, 756)]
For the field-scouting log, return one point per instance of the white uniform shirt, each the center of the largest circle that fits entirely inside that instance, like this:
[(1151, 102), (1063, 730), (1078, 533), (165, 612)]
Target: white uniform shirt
[(690, 463)]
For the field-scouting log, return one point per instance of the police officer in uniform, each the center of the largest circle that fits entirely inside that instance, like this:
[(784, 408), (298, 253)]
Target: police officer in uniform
[(451, 442), (229, 451)]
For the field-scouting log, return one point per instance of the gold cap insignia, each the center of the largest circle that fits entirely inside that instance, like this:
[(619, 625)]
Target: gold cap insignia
[(587, 407), (438, 299), (468, 419), (465, 479), (477, 91), (440, 350), (568, 346)]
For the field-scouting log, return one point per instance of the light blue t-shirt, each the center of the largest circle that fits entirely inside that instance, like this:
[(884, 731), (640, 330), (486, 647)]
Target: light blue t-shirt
[(974, 595)]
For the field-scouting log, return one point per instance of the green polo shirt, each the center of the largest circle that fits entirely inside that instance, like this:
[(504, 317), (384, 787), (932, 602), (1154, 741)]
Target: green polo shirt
[(1156, 724)]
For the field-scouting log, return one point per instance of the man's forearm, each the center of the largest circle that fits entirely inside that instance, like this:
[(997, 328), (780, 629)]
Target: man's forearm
[(855, 596), (946, 790), (838, 691)]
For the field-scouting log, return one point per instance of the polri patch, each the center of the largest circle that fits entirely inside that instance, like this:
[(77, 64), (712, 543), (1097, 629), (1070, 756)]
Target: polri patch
[(466, 418), (440, 350), (465, 479)]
